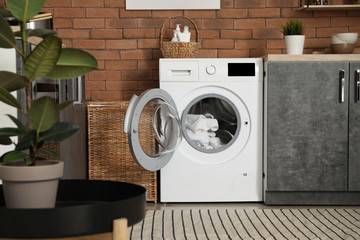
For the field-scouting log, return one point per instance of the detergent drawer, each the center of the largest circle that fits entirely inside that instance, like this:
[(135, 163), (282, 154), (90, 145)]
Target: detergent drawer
[(179, 70)]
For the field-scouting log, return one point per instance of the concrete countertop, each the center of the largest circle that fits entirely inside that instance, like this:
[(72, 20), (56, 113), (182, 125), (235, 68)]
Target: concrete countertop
[(311, 57)]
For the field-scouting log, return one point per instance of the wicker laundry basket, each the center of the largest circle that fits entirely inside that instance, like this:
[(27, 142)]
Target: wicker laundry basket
[(179, 49), (109, 153)]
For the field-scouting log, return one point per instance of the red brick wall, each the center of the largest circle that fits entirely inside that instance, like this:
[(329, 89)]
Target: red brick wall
[(126, 43)]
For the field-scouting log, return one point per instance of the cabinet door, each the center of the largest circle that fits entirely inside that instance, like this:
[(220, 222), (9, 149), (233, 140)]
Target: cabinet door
[(354, 129), (307, 127)]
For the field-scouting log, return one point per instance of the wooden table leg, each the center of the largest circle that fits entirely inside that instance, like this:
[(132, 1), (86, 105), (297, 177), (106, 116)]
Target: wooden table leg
[(120, 229)]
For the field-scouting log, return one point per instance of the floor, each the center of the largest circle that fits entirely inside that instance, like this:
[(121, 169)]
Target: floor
[(253, 205)]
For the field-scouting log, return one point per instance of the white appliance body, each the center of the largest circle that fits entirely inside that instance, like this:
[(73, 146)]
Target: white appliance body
[(228, 174)]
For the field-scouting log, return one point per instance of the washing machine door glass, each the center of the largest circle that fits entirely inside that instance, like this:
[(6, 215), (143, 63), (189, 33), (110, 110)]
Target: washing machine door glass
[(153, 127), (211, 123)]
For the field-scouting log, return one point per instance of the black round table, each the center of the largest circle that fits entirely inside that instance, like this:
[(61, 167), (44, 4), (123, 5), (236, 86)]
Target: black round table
[(83, 207)]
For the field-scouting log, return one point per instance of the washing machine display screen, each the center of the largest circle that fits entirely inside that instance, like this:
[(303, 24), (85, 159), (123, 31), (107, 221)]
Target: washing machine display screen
[(159, 128), (210, 124), (241, 69)]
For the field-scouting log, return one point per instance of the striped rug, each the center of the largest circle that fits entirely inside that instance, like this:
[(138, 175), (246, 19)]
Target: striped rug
[(256, 224)]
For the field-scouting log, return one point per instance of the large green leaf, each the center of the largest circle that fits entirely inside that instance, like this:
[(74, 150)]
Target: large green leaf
[(43, 114), (24, 10), (18, 123), (9, 99), (9, 132), (73, 63), (43, 59), (7, 39), (13, 156), (5, 141), (11, 81), (59, 132), (36, 33)]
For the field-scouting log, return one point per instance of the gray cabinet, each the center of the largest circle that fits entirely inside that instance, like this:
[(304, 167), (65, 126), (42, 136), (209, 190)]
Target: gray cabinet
[(354, 128), (312, 138)]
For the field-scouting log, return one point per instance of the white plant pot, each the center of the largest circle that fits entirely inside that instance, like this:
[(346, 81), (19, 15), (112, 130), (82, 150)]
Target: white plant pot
[(31, 186), (294, 44)]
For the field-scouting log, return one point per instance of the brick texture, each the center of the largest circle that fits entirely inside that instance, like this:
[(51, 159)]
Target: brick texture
[(107, 33), (89, 23), (72, 33), (136, 54), (102, 12), (264, 12), (87, 3), (126, 43), (69, 12), (61, 23), (57, 3), (121, 65), (105, 54), (114, 3)]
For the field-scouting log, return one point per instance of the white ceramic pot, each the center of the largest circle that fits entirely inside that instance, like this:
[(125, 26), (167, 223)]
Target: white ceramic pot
[(31, 186), (294, 44), (344, 38)]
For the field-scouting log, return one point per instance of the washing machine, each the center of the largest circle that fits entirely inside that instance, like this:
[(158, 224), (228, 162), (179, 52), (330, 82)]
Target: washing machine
[(202, 129)]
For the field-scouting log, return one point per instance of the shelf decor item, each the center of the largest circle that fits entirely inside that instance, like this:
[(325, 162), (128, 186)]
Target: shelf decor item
[(343, 43), (179, 49), (48, 60), (293, 31), (319, 2), (329, 5)]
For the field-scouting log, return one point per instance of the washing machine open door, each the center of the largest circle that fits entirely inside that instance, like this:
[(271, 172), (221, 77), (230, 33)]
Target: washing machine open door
[(153, 127)]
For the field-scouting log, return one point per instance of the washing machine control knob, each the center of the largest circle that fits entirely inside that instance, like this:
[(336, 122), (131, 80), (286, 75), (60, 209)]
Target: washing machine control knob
[(211, 69)]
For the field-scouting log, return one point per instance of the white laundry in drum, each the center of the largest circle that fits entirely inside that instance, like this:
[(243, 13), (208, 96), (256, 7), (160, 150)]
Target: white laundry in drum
[(201, 129)]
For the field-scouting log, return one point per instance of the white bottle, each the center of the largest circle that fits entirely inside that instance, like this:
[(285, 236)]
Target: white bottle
[(185, 36), (175, 37), (177, 29)]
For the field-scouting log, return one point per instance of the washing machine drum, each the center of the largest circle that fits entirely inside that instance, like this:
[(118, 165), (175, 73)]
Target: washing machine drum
[(153, 127), (210, 123)]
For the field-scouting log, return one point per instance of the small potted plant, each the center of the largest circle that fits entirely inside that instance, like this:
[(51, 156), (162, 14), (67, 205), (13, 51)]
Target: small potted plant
[(23, 165), (293, 31)]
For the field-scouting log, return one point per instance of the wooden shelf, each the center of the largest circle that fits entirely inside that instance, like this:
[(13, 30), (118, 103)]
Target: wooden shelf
[(330, 7)]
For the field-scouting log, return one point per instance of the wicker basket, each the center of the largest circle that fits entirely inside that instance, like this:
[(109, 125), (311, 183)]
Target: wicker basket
[(109, 154), (179, 49)]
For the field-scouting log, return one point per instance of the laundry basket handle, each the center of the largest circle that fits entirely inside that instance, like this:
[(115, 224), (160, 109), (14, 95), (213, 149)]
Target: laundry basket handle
[(178, 17)]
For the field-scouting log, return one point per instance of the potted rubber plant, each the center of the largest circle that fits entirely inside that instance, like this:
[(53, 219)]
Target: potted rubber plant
[(293, 31), (22, 167)]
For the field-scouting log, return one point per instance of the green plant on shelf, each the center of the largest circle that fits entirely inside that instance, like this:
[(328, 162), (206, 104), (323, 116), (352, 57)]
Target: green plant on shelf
[(293, 27)]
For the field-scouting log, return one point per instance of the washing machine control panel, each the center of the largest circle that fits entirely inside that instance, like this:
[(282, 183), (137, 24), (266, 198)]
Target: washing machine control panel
[(231, 69), (211, 69)]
